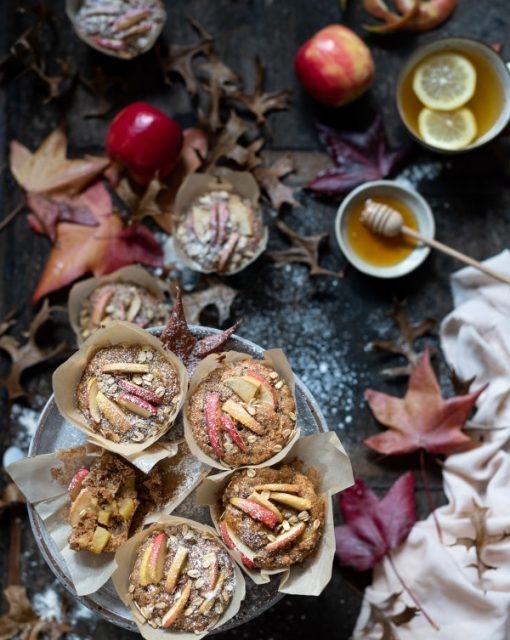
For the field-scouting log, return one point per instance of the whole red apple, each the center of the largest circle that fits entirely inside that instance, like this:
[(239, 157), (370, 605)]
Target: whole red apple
[(145, 140), (335, 66)]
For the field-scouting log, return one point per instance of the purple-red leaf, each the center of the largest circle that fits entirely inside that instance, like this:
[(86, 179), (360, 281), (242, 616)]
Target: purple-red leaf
[(358, 158), (374, 527)]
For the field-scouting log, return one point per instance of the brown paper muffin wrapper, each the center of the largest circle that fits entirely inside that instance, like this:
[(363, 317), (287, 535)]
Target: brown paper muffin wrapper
[(274, 358), (72, 8), (49, 496), (198, 184), (125, 559), (325, 453), (127, 275), (68, 375)]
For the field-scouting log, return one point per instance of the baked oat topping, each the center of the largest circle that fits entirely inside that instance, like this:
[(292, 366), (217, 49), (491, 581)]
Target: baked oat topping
[(128, 393), (120, 301), (239, 416), (104, 500), (221, 231), (272, 517), (182, 579), (120, 26)]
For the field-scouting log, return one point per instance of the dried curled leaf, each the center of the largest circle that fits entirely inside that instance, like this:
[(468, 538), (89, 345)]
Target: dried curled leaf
[(24, 356), (269, 179), (218, 295), (404, 344), (383, 616), (304, 249)]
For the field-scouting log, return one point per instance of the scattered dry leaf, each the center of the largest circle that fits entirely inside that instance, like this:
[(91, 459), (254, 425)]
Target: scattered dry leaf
[(382, 615), (226, 144), (460, 386), (404, 344), (423, 419), (269, 178), (24, 356), (218, 295), (304, 249), (220, 82), (48, 170), (57, 84)]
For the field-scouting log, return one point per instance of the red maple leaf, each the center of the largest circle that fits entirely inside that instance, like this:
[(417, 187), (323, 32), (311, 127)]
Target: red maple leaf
[(422, 419), (374, 527)]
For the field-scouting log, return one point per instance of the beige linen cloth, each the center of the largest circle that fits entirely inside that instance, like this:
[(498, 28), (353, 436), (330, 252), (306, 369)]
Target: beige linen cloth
[(475, 339)]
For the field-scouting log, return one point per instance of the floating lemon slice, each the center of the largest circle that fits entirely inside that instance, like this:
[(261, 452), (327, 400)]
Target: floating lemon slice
[(445, 81), (449, 130)]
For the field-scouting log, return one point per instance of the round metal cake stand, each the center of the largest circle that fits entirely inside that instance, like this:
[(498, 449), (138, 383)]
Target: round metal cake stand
[(54, 433)]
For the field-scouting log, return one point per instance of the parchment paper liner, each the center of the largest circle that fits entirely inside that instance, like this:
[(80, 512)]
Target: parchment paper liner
[(132, 274), (325, 453), (125, 558), (274, 358), (197, 184), (88, 571), (72, 8), (67, 376)]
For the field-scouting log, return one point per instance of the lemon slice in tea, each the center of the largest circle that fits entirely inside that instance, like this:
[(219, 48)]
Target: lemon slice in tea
[(445, 81), (450, 130)]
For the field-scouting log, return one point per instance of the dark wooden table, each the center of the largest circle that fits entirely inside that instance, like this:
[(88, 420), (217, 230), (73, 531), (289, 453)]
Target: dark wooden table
[(323, 324)]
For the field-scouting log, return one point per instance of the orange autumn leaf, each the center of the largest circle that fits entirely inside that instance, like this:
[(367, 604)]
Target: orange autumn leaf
[(99, 250), (48, 170), (422, 419)]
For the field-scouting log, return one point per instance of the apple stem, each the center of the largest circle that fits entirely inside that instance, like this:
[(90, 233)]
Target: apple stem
[(411, 594), (428, 494)]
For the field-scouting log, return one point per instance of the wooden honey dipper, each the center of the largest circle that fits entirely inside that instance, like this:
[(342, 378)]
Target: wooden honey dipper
[(386, 221)]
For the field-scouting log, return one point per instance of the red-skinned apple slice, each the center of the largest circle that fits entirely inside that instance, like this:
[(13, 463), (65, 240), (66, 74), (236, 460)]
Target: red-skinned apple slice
[(236, 544), (213, 571), (257, 512), (245, 389), (212, 422), (210, 596), (113, 413), (228, 425), (296, 502), (176, 567), (141, 392), (84, 501), (178, 606), (256, 497), (99, 305), (286, 538), (136, 405), (153, 561), (92, 390), (239, 413), (267, 392), (74, 487)]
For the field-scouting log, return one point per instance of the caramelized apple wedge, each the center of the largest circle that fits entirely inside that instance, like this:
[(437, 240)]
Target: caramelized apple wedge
[(301, 504), (74, 487), (136, 405), (92, 390), (100, 539), (178, 606), (267, 393), (178, 562), (125, 367), (235, 543), (276, 486), (286, 538), (84, 501), (127, 507), (256, 497), (153, 561), (239, 413), (112, 412), (256, 511), (245, 388)]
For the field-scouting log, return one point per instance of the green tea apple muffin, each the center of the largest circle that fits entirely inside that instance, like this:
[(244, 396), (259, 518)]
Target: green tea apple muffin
[(272, 517), (120, 301), (242, 413), (105, 497), (221, 231), (182, 579), (128, 393)]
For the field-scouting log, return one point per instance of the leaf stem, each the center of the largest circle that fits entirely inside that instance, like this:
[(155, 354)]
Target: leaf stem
[(428, 494), (411, 593), (11, 215)]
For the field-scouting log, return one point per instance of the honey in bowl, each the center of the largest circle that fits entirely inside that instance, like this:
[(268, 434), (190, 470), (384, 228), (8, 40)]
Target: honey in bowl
[(375, 249)]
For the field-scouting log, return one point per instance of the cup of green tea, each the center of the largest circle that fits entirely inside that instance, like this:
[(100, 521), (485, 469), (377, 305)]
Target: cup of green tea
[(453, 95)]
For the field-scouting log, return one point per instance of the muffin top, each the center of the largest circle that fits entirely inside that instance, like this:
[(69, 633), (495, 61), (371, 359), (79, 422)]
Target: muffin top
[(128, 393), (221, 231), (273, 517), (182, 579), (242, 413), (120, 301)]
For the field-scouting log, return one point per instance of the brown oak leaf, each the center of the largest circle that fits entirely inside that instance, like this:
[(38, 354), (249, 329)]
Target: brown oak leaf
[(404, 344), (423, 419), (304, 249), (24, 356), (220, 81), (269, 178), (177, 337), (226, 144), (382, 616), (217, 294), (460, 386), (48, 170), (481, 540), (57, 84), (259, 103)]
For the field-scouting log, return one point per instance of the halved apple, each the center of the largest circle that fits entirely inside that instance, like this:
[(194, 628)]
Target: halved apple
[(234, 542), (74, 487), (239, 413), (286, 538), (100, 539), (296, 502), (113, 413), (175, 570), (257, 511), (84, 501), (153, 560), (92, 390), (178, 606), (246, 389)]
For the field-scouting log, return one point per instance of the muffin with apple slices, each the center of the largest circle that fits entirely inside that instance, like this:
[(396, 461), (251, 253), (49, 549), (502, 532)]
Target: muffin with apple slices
[(221, 232), (272, 517), (242, 413), (182, 579), (104, 500), (128, 393), (120, 301)]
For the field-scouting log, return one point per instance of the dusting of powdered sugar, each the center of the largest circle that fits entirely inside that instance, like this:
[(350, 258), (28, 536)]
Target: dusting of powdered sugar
[(25, 420)]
